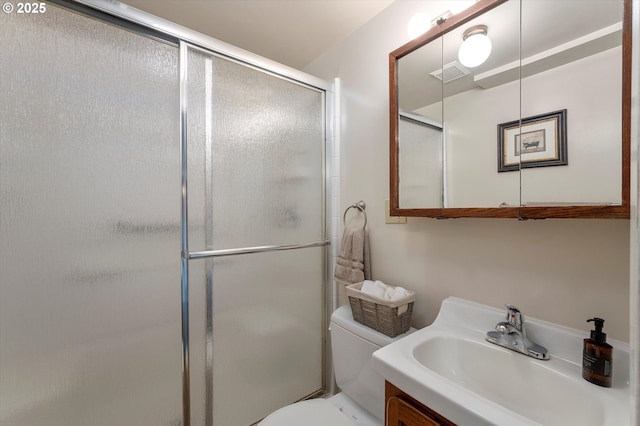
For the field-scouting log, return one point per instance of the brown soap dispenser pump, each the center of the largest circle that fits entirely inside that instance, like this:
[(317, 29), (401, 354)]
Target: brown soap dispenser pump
[(596, 356)]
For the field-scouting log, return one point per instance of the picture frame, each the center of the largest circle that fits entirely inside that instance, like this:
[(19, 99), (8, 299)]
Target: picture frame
[(537, 141)]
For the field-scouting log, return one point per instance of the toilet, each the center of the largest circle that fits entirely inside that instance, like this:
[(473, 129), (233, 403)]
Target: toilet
[(361, 402)]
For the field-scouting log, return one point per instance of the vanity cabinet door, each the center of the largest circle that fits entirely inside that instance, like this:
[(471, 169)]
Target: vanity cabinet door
[(403, 410), (400, 413)]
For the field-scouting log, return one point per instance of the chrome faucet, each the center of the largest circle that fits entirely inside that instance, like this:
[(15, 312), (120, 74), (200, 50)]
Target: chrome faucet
[(511, 334)]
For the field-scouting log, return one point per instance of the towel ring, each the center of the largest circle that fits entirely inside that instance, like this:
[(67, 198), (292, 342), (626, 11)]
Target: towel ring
[(360, 205)]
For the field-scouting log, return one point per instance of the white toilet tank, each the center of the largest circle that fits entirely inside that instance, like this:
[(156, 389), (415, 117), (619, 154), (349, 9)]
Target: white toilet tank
[(352, 345)]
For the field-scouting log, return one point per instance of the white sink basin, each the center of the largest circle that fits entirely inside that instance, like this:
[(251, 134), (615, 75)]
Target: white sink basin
[(449, 367), (511, 379)]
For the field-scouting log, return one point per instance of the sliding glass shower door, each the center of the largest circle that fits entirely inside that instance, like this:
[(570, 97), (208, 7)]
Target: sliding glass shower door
[(89, 224), (92, 269), (254, 187)]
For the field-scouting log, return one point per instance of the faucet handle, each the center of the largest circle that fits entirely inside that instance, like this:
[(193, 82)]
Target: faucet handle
[(505, 327), (514, 317)]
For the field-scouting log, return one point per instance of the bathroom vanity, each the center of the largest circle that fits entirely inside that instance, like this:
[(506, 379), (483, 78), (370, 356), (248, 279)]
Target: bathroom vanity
[(448, 373)]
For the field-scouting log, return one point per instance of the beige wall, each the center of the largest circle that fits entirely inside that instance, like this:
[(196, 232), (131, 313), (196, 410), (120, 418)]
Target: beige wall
[(563, 271)]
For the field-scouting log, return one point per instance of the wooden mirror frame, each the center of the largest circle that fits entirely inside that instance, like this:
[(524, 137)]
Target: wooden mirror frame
[(522, 212)]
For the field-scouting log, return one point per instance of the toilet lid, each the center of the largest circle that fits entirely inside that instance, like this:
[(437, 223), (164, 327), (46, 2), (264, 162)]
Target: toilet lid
[(313, 412)]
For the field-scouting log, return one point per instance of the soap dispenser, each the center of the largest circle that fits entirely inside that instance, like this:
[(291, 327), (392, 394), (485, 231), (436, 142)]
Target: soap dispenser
[(596, 356)]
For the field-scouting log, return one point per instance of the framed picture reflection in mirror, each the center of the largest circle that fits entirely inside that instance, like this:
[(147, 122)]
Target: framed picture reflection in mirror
[(537, 141)]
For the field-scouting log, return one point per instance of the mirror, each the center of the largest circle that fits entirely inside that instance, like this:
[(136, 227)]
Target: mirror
[(421, 147), (539, 129)]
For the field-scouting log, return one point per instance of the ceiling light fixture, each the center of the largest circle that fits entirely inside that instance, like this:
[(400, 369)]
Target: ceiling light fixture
[(458, 6), (442, 18), (418, 25), (476, 46), (455, 7)]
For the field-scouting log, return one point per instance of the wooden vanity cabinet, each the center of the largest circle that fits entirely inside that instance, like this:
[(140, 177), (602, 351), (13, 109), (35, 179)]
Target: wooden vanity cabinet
[(402, 410)]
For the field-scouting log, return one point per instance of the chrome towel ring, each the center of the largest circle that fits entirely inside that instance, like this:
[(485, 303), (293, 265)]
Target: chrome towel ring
[(360, 205)]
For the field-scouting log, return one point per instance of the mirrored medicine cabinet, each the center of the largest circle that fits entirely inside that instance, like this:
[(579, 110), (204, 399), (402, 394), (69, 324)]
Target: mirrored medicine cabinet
[(540, 129)]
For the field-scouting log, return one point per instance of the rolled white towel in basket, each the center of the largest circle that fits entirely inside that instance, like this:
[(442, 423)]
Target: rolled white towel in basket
[(396, 293), (383, 291), (374, 288)]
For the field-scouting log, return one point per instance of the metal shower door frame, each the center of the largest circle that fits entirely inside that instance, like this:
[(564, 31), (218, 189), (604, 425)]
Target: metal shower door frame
[(188, 255)]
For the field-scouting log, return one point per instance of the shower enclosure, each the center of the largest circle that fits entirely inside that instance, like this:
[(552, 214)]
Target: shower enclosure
[(164, 256)]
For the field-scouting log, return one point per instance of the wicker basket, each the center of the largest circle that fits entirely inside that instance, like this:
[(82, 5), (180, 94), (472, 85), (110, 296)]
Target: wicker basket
[(381, 315)]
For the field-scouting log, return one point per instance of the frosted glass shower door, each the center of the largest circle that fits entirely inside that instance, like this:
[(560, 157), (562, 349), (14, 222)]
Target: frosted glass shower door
[(89, 224), (255, 179)]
